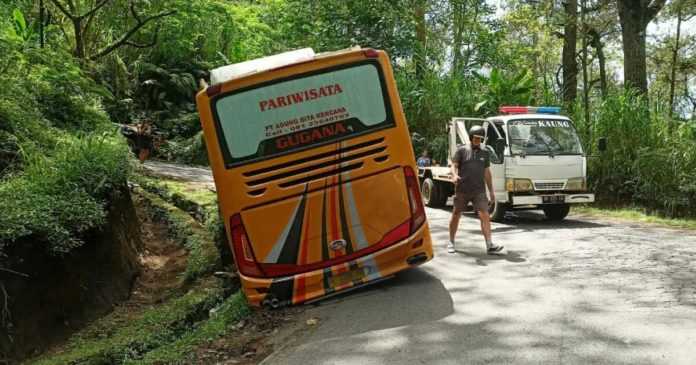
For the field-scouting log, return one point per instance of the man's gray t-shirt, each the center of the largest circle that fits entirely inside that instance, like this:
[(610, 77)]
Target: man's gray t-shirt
[(472, 164)]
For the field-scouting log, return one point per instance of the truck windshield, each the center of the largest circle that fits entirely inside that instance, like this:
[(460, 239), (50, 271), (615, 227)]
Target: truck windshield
[(543, 137)]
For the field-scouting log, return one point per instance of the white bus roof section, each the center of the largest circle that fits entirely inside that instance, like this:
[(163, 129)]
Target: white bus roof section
[(237, 70)]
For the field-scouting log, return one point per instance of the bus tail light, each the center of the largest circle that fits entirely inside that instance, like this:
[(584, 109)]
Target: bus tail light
[(242, 248), (414, 199), (213, 90), (370, 53)]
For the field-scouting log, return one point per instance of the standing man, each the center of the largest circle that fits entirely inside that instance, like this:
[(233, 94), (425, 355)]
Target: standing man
[(424, 160), (471, 169)]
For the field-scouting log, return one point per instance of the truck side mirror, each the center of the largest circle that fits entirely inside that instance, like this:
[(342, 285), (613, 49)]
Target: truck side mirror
[(602, 144)]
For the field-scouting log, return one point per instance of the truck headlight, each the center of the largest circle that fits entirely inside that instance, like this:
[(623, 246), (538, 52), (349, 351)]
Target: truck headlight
[(576, 184), (518, 185)]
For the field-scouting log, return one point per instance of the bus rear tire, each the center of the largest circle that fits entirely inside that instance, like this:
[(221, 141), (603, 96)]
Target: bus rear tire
[(556, 212), (433, 193), (497, 211)]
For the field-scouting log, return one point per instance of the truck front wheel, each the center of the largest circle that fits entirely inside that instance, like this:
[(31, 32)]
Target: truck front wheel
[(497, 211), (433, 193), (556, 212)]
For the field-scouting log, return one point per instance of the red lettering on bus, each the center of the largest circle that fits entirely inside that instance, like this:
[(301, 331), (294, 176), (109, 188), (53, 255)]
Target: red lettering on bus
[(300, 97), (308, 137)]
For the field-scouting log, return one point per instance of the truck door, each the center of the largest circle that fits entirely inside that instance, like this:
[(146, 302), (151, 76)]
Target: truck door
[(494, 137)]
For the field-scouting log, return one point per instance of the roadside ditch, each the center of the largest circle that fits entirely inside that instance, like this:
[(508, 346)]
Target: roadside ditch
[(185, 306)]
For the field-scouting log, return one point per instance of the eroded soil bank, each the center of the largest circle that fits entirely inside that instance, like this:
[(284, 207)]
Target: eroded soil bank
[(52, 297)]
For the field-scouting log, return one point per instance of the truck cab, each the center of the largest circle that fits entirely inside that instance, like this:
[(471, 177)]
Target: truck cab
[(537, 162)]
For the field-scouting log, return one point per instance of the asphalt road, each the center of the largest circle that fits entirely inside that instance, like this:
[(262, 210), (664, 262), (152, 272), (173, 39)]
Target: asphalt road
[(577, 292)]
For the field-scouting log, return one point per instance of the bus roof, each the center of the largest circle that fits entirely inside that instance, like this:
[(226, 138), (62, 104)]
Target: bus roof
[(246, 68)]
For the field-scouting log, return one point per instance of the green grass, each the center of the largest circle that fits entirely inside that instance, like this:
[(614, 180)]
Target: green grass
[(183, 349), (194, 198), (198, 194), (204, 257), (635, 215), (117, 338), (60, 196)]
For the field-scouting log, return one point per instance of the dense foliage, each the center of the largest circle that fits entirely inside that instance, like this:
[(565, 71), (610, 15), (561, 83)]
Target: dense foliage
[(60, 159)]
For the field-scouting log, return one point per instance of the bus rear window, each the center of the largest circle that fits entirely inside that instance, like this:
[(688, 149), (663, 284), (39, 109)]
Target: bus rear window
[(301, 112)]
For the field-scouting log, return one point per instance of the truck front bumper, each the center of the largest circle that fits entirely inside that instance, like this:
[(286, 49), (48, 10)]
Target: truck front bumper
[(578, 198)]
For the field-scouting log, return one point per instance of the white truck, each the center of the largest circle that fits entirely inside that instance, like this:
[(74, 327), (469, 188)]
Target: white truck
[(537, 162)]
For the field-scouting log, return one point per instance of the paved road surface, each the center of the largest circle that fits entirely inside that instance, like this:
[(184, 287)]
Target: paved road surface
[(201, 175), (578, 292)]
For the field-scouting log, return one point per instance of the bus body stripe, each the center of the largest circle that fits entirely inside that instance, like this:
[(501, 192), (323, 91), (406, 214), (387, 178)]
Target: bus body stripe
[(360, 239), (291, 247), (273, 256), (344, 220)]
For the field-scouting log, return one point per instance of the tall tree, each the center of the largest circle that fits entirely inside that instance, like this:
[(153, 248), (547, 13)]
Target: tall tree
[(599, 24), (634, 16), (420, 59), (679, 9), (570, 63), (82, 18)]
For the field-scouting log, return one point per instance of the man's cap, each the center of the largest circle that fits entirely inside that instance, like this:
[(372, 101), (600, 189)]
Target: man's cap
[(476, 130)]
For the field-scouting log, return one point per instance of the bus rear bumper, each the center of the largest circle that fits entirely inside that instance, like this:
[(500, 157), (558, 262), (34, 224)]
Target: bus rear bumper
[(277, 292)]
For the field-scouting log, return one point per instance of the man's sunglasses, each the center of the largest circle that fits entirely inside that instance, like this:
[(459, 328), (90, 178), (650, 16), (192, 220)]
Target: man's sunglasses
[(480, 138)]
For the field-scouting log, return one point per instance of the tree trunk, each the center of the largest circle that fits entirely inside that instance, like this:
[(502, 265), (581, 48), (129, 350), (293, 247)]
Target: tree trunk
[(585, 77), (79, 38), (570, 63), (458, 38), (634, 16), (633, 41), (596, 42), (675, 55), (42, 16)]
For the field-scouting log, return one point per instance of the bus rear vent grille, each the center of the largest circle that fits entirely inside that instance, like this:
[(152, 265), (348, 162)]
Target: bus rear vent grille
[(321, 175)]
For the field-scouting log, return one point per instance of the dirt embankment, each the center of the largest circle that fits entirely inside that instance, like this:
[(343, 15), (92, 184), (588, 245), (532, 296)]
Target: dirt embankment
[(58, 295)]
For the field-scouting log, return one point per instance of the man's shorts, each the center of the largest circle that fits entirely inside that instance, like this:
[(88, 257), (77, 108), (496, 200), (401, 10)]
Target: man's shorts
[(478, 200)]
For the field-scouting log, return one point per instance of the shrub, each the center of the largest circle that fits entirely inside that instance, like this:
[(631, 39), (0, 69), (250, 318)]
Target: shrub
[(64, 95), (60, 196), (650, 160)]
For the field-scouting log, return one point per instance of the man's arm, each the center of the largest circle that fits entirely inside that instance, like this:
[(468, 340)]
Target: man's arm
[(455, 167), (489, 183), (455, 171)]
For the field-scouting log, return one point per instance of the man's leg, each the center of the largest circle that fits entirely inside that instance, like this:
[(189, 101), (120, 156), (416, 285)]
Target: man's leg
[(485, 219), (481, 205), (454, 221)]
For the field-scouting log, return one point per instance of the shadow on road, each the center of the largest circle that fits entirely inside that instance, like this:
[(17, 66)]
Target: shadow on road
[(482, 257), (531, 220), (419, 296)]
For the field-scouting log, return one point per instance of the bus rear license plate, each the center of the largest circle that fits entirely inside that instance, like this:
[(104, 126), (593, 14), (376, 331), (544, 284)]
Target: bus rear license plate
[(553, 199), (347, 277)]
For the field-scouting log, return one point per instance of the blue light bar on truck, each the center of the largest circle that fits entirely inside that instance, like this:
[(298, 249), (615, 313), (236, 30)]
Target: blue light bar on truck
[(549, 110)]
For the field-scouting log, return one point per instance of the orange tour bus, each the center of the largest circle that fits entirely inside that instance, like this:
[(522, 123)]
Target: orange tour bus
[(315, 173)]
